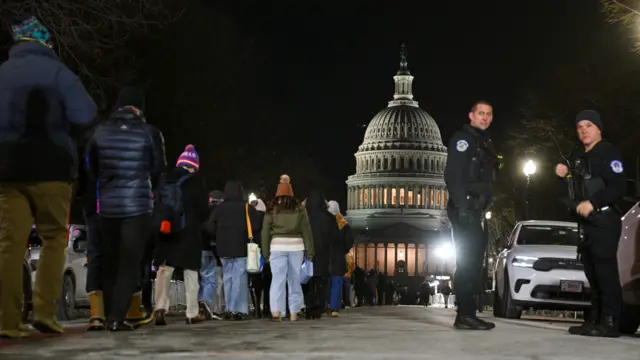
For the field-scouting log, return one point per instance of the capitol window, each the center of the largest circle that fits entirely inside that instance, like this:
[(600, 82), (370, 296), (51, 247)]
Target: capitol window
[(393, 196), (410, 194), (401, 196), (384, 196), (419, 199)]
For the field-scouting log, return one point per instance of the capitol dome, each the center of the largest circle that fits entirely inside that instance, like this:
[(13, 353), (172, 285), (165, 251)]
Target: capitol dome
[(400, 164), (397, 198)]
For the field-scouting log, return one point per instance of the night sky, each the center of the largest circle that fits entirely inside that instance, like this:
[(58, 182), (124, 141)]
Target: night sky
[(270, 87), (330, 68)]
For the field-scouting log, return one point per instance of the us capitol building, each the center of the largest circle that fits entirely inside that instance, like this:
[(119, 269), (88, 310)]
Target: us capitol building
[(397, 197)]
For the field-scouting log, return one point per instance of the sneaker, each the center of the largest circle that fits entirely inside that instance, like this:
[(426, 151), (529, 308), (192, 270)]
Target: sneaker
[(205, 310), (335, 314), (48, 326), (14, 334)]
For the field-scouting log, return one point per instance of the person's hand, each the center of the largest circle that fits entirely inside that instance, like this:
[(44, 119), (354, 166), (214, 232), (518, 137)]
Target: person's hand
[(562, 170), (584, 208)]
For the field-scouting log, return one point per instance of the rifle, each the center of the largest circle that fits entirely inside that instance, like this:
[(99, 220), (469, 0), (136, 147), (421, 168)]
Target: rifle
[(576, 192)]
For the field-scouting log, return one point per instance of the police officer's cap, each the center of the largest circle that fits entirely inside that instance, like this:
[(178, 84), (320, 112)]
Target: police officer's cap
[(592, 116)]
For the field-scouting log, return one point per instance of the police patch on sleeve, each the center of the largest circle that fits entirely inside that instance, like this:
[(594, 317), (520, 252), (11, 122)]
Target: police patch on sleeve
[(616, 166), (463, 146)]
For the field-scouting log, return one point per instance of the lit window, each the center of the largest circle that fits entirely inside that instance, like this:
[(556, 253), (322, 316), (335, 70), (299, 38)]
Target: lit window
[(410, 194)]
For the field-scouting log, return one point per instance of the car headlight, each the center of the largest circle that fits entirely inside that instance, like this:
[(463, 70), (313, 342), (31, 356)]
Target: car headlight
[(524, 261)]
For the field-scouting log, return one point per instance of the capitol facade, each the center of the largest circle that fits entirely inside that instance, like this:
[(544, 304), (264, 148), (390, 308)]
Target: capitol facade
[(397, 197)]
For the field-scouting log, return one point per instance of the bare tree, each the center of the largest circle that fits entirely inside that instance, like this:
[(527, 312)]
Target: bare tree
[(97, 38), (627, 13)]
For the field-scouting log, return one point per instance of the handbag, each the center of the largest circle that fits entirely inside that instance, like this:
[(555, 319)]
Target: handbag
[(255, 261)]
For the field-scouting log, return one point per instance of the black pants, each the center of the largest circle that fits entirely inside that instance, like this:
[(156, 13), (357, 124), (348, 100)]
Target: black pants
[(314, 298), (601, 266), (256, 286), (146, 281), (124, 242), (266, 286), (94, 254), (470, 244)]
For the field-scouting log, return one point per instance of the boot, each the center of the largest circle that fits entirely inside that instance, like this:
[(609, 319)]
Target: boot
[(120, 326), (588, 325), (195, 320), (608, 327), (96, 319), (464, 322), (135, 313)]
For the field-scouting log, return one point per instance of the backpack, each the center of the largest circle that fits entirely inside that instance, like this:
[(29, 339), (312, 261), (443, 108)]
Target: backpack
[(169, 202)]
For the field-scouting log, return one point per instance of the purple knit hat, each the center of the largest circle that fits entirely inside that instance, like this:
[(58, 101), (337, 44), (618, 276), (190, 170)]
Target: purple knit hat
[(189, 158)]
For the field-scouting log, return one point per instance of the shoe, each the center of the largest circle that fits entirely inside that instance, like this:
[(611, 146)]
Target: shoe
[(195, 320), (20, 333), (47, 326), (216, 316), (238, 317), (583, 328), (335, 314), (205, 310), (159, 316), (276, 316), (96, 325), (464, 322), (606, 328), (120, 326)]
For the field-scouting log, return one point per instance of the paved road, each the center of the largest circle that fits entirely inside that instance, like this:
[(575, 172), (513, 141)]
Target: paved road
[(366, 333)]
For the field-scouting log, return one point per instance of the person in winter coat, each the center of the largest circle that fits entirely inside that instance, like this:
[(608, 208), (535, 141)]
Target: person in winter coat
[(328, 250), (230, 226), (209, 267), (256, 281), (184, 248), (339, 253), (125, 158), (41, 102), (286, 236)]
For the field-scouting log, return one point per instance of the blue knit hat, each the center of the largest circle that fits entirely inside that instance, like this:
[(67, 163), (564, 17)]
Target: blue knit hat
[(30, 28), (189, 158)]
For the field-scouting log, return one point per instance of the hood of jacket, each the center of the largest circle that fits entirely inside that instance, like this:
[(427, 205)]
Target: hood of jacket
[(315, 202), (233, 191)]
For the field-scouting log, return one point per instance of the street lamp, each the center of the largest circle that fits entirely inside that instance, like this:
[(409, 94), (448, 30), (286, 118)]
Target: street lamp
[(529, 169), (445, 251)]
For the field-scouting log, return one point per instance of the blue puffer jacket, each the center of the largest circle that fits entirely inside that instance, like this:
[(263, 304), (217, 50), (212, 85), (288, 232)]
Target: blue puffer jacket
[(125, 157), (40, 102)]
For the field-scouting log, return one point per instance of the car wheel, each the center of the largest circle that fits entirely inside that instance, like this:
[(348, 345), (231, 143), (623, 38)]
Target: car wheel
[(509, 309), (67, 301), (630, 319), (26, 293)]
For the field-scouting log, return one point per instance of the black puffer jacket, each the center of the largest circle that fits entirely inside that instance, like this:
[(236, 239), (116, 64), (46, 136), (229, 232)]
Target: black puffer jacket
[(327, 245), (125, 157), (228, 222)]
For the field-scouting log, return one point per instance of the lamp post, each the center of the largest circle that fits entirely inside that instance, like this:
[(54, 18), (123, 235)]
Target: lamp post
[(529, 169)]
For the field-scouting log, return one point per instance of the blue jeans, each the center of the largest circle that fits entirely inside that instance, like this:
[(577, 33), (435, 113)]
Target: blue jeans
[(285, 270), (334, 293), (208, 278), (236, 285)]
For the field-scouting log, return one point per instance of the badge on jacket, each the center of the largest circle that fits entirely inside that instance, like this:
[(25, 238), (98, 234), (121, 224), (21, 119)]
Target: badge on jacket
[(616, 166), (462, 145)]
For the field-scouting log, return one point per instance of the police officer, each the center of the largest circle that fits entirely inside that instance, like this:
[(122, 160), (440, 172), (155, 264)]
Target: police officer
[(469, 174), (600, 174)]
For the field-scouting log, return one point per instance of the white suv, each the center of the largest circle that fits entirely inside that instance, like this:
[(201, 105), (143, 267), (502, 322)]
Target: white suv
[(73, 293), (538, 268)]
